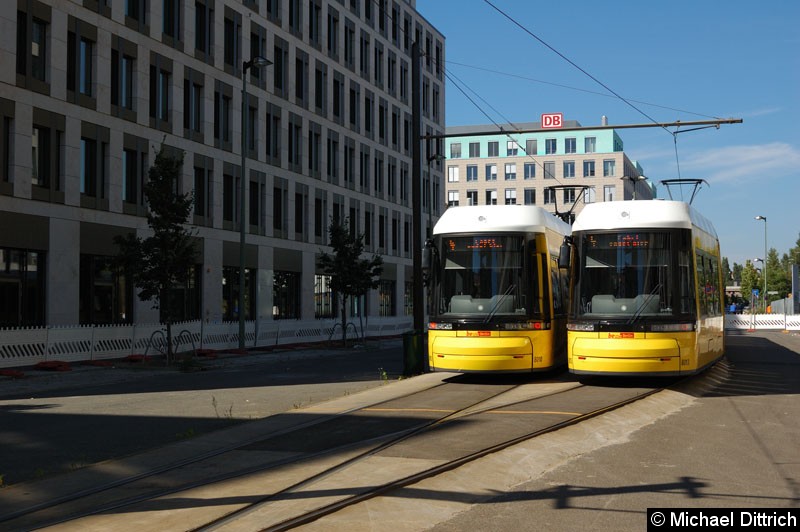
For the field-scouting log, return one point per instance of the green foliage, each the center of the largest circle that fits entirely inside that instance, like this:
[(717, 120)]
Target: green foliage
[(159, 262), (351, 274)]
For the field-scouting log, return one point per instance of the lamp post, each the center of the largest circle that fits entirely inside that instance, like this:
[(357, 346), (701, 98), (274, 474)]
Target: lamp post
[(257, 62), (764, 219), (437, 157)]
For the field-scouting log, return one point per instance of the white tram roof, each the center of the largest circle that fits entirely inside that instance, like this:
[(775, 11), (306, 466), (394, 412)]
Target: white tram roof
[(654, 214), (499, 218)]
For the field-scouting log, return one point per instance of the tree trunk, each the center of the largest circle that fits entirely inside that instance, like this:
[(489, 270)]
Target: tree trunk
[(344, 320)]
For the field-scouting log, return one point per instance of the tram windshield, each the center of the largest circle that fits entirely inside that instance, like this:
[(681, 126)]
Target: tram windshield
[(632, 274), (484, 276)]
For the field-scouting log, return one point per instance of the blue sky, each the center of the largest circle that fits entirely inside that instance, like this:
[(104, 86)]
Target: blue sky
[(680, 60)]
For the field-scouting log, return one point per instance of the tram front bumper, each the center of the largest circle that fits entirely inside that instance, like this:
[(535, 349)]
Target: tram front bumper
[(489, 354), (622, 356)]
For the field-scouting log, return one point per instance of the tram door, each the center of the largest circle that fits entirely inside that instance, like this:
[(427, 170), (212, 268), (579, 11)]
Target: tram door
[(10, 303)]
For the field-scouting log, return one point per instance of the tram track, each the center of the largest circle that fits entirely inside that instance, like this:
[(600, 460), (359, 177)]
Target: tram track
[(247, 518), (169, 479), (274, 495)]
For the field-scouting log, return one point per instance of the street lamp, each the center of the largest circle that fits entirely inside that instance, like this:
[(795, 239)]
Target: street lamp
[(257, 62), (439, 158), (764, 218)]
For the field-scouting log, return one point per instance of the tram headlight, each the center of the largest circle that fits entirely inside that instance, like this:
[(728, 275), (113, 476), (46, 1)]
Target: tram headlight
[(441, 326), (580, 326)]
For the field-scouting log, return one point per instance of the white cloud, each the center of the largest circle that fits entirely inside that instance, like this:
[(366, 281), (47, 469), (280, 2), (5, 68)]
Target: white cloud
[(739, 163)]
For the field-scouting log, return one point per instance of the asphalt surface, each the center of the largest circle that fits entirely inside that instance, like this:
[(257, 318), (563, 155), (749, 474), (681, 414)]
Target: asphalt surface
[(58, 422), (729, 439)]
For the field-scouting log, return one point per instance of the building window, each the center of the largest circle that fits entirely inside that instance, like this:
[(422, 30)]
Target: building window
[(609, 168), (232, 41), (569, 169), (549, 196), (609, 192), (472, 172), (530, 170), (172, 22), (105, 296), (512, 148), (570, 145), (511, 171), (530, 196), (530, 146), (123, 81), (333, 34), (549, 146), (590, 145), (203, 192), (452, 174), (280, 208), (452, 198), (494, 149), (22, 287), (387, 295), (491, 197), (511, 196), (32, 46), (325, 301), (47, 137), (81, 39), (280, 67), (455, 150), (223, 103), (549, 170), (491, 172), (203, 30), (569, 196), (272, 136), (474, 149), (134, 168), (472, 197), (160, 93), (589, 195), (230, 293), (588, 169), (314, 21)]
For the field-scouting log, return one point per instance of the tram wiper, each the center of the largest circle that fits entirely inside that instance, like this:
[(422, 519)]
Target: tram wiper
[(644, 304), (497, 303)]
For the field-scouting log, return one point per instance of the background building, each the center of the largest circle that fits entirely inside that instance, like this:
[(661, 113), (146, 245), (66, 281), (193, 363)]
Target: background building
[(507, 168), (90, 90)]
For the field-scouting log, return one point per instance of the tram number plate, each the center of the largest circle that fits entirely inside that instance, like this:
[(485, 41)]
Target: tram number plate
[(537, 360), (479, 333), (621, 335)]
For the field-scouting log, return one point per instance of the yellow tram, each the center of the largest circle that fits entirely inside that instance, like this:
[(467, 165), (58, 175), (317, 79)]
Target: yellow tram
[(498, 297), (646, 290)]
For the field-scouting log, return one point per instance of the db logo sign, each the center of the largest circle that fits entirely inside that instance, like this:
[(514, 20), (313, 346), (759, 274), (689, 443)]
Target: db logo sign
[(552, 120)]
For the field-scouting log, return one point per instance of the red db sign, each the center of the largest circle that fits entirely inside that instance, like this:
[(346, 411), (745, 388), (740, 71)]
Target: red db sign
[(552, 120)]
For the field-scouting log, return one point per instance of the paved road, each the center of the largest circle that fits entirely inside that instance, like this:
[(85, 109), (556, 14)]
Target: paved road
[(57, 422), (728, 440)]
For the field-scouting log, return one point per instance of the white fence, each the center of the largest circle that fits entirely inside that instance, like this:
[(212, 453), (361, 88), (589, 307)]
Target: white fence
[(778, 322), (31, 345)]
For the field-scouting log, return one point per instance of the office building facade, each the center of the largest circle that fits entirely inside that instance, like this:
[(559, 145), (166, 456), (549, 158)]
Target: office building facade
[(486, 166), (90, 90)]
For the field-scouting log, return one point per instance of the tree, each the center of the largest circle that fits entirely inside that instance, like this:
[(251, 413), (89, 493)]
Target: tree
[(351, 275), (158, 263)]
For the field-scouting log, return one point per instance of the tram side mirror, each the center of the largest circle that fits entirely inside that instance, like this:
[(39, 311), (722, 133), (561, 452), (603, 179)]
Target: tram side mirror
[(565, 254), (427, 258)]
